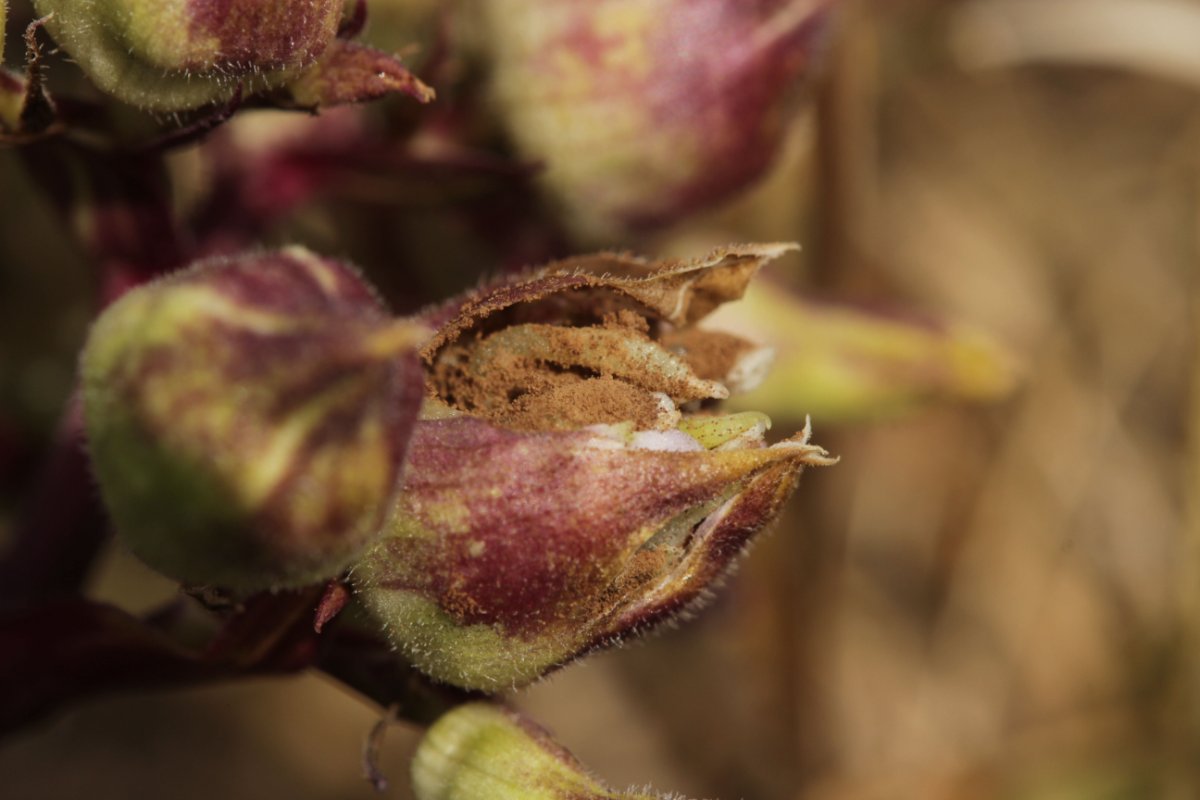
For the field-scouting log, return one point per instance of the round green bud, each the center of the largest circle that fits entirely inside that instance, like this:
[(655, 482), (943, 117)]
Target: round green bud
[(646, 112), (480, 751), (247, 418), (171, 55)]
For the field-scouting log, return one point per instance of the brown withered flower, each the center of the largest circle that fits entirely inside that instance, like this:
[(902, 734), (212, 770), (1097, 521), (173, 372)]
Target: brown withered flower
[(568, 485)]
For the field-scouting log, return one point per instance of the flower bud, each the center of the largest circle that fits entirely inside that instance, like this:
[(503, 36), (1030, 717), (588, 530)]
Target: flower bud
[(171, 55), (511, 553), (849, 364), (644, 112), (481, 751), (247, 418), (582, 497)]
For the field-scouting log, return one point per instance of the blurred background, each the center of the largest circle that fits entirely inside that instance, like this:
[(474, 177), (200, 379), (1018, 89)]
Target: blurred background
[(992, 322)]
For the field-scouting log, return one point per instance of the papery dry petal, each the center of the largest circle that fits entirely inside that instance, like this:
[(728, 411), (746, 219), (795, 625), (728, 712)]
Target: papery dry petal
[(546, 336), (497, 361), (590, 287)]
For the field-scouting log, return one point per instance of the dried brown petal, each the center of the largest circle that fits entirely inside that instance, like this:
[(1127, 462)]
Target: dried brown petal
[(588, 340)]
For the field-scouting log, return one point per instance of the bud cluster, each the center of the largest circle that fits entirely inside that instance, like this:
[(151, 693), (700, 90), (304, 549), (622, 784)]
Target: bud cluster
[(258, 422), (567, 484)]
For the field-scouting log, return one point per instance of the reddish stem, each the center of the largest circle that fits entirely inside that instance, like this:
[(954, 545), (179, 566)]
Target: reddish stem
[(62, 529)]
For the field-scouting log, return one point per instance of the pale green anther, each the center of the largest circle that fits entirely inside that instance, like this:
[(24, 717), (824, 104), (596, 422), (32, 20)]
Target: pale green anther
[(712, 432), (481, 751), (3, 20)]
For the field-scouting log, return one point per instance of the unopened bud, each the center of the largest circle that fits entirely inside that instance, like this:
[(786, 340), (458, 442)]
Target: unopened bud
[(644, 112), (171, 55), (845, 363), (481, 751), (247, 418)]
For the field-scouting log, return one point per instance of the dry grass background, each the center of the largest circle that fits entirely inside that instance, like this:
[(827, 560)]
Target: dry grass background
[(982, 600)]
